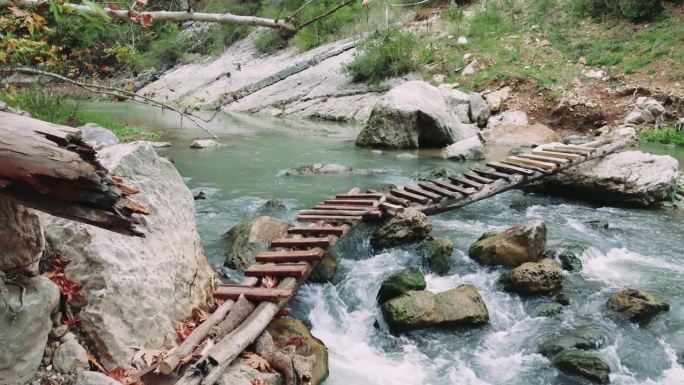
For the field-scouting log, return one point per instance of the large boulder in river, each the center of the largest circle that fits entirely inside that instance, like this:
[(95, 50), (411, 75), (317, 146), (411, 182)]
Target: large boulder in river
[(411, 115), (636, 304), (24, 326), (540, 277), (408, 226), (628, 178), (22, 237), (246, 239), (136, 289), (462, 306), (291, 331), (511, 247), (584, 364), (400, 283)]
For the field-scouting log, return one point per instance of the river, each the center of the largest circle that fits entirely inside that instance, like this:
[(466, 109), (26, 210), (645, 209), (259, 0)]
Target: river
[(641, 249)]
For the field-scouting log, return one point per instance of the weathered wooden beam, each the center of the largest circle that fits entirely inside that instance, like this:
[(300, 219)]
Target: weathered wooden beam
[(394, 200), (318, 230), (453, 187), (490, 173), (345, 213), (279, 270), (529, 163), (464, 181), (438, 190), (351, 202), (289, 256), (542, 158), (301, 242), (510, 168), (410, 196), (478, 178), (252, 293), (419, 191), (342, 207), (329, 219), (359, 196)]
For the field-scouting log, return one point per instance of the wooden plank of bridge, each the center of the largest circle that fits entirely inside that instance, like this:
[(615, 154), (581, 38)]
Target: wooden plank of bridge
[(359, 196), (541, 166), (571, 150), (419, 191), (453, 187), (473, 176), (252, 293), (329, 219), (510, 168), (318, 230), (279, 270), (491, 173), (542, 158), (410, 196), (342, 207), (464, 181), (351, 202), (289, 256), (559, 155), (394, 200), (516, 162), (439, 190), (345, 213), (300, 242)]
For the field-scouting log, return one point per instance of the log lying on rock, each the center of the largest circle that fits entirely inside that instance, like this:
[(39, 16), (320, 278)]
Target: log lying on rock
[(49, 168)]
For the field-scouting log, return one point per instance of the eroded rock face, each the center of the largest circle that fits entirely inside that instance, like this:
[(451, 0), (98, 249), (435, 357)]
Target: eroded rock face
[(512, 247), (283, 330), (636, 304), (584, 364), (409, 226), (400, 283), (135, 289), (544, 276), (414, 114), (246, 239), (22, 237), (24, 328), (625, 178), (420, 309)]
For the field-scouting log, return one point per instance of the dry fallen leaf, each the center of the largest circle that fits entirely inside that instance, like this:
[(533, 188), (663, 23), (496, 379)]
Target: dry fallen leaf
[(258, 381), (148, 356), (257, 362), (269, 282)]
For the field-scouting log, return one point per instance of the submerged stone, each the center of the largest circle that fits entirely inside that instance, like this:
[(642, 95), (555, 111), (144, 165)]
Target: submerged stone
[(588, 337), (408, 226), (462, 306), (511, 247), (437, 255), (636, 304), (401, 283), (549, 309), (584, 364)]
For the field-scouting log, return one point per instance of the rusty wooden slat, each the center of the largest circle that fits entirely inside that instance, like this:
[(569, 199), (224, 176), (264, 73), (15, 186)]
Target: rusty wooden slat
[(290, 255), (300, 242), (570, 150), (410, 196), (318, 230), (252, 293), (351, 202), (359, 196), (391, 207), (510, 168), (464, 181), (345, 213), (453, 187), (419, 191), (280, 270), (559, 155), (490, 173), (529, 163), (438, 190), (542, 158), (478, 178), (392, 199), (343, 207), (329, 219)]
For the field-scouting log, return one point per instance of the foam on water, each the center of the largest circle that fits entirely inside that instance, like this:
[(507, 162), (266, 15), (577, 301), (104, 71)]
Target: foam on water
[(621, 267)]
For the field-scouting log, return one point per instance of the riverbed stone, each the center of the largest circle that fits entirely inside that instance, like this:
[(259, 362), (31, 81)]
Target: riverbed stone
[(466, 149), (519, 135), (540, 277), (401, 283), (22, 236), (325, 270), (461, 306), (97, 136), (412, 115), (589, 337), (69, 356), (636, 304), (549, 309), (87, 377), (284, 330), (24, 326), (246, 239), (408, 226), (204, 143), (437, 255), (630, 178), (581, 363), (511, 117), (136, 289), (511, 247), (646, 111), (496, 98)]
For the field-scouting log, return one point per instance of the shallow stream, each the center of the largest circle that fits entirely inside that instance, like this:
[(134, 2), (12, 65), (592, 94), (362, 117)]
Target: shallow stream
[(641, 248)]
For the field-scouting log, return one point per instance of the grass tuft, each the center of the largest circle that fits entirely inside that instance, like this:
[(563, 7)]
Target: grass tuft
[(387, 53), (665, 135)]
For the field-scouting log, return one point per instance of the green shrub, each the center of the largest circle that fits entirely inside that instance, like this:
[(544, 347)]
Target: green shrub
[(322, 30), (384, 54), (633, 10), (270, 42), (166, 50), (665, 135)]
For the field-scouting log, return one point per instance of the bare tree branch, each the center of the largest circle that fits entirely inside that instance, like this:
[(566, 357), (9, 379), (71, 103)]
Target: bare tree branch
[(116, 92), (123, 14)]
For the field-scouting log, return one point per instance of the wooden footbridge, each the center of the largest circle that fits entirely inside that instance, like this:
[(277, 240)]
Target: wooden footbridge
[(269, 284)]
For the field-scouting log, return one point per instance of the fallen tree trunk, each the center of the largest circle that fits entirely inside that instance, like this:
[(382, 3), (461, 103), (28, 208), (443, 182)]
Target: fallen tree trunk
[(180, 16), (48, 167)]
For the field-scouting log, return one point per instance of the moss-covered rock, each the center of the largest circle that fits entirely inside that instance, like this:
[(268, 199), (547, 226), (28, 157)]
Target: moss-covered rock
[(291, 331), (584, 364), (511, 247), (583, 338), (462, 306), (401, 283), (246, 239), (437, 255), (636, 304), (549, 309), (408, 226)]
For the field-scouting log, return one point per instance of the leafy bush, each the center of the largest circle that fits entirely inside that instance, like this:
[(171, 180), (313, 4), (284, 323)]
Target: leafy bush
[(384, 54), (666, 135), (270, 42), (633, 10)]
